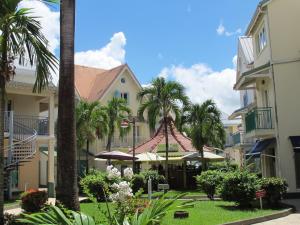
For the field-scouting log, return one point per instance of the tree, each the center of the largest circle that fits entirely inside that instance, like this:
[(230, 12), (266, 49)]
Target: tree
[(21, 41), (117, 111), (91, 123), (206, 127), (162, 99), (67, 190)]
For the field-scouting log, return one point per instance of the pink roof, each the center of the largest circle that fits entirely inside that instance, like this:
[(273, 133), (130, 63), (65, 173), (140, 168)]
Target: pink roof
[(175, 137)]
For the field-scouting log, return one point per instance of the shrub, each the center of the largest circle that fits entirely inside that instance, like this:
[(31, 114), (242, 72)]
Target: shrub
[(209, 181), (275, 189), (33, 200), (155, 178), (94, 186), (10, 219), (223, 166), (137, 183), (240, 187)]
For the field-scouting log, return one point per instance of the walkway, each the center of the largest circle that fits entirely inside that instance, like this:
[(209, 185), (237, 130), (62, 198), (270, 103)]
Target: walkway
[(292, 219)]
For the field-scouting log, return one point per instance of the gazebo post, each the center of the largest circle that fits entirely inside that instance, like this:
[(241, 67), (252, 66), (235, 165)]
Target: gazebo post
[(184, 174)]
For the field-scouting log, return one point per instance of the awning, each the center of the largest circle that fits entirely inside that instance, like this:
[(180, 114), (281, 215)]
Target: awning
[(149, 157), (296, 143), (260, 146), (207, 155)]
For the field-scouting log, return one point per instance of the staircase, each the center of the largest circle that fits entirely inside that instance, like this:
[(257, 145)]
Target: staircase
[(21, 137)]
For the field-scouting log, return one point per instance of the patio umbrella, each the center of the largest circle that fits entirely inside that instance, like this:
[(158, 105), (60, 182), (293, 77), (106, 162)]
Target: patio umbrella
[(149, 157), (207, 155), (117, 155)]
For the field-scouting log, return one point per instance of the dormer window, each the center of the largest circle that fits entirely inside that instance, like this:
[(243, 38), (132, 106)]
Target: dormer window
[(262, 39)]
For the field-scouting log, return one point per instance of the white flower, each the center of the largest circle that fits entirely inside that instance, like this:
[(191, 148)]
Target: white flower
[(112, 173), (123, 192), (128, 173)]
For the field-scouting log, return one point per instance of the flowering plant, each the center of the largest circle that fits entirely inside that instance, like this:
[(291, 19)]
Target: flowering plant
[(128, 174), (113, 173)]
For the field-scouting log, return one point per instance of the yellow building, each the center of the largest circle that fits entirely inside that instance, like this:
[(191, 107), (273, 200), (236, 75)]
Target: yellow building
[(268, 78), (26, 131), (101, 85)]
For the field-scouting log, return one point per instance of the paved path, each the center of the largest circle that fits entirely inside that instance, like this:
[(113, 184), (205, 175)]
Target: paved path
[(292, 219)]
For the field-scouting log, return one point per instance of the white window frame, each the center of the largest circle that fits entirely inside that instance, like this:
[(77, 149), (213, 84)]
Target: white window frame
[(261, 39)]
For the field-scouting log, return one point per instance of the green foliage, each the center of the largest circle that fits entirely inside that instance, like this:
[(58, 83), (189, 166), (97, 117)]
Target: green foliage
[(225, 166), (94, 185), (56, 216), (33, 200), (209, 181), (240, 187), (137, 183), (275, 188), (155, 179)]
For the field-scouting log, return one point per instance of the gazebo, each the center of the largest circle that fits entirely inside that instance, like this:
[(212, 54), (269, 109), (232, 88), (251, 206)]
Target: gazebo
[(181, 153)]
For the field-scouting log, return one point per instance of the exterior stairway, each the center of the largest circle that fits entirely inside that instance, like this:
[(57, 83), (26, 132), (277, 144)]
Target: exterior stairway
[(21, 146)]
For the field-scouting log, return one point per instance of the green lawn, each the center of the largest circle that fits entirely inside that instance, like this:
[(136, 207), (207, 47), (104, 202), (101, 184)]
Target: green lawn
[(204, 213), (173, 193), (11, 203)]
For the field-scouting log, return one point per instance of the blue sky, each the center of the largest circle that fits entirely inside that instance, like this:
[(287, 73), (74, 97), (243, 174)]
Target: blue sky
[(191, 41)]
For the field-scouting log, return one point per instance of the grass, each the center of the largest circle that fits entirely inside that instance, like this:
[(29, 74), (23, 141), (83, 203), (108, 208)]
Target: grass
[(204, 213), (173, 193), (12, 203)]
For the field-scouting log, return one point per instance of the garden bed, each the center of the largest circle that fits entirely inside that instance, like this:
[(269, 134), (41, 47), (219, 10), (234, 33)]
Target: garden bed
[(204, 213)]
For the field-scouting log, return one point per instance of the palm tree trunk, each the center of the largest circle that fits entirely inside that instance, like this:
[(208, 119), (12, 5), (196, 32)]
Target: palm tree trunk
[(167, 149), (202, 158), (108, 146), (2, 108), (87, 156), (67, 189)]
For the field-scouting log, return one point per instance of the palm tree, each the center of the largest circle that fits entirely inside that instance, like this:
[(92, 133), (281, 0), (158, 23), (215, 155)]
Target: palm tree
[(20, 37), (117, 111), (206, 127), (67, 190), (91, 123), (161, 99)]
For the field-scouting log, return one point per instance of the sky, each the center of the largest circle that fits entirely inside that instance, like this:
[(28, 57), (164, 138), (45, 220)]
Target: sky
[(191, 41)]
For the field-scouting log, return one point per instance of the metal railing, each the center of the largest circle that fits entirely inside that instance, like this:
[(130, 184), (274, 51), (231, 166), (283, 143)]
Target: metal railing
[(259, 118), (240, 138)]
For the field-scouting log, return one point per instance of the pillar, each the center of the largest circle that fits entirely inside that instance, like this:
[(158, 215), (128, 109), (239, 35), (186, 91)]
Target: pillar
[(184, 174), (51, 147)]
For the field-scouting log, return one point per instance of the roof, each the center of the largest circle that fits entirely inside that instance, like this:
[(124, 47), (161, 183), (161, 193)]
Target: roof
[(247, 48), (256, 15), (183, 143), (92, 83)]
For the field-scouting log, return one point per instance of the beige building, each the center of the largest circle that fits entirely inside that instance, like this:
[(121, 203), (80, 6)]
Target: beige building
[(26, 131), (268, 78), (101, 85)]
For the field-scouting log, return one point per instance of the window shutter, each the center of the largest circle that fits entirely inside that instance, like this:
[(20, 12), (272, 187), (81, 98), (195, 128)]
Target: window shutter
[(117, 94)]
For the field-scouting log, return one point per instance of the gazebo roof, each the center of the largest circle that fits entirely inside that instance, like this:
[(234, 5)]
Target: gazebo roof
[(178, 143)]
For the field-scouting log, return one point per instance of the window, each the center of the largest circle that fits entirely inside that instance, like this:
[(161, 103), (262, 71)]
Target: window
[(123, 80), (297, 169), (124, 95), (262, 39)]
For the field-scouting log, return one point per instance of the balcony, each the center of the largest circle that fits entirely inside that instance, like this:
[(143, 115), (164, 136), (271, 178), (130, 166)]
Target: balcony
[(259, 121), (239, 138)]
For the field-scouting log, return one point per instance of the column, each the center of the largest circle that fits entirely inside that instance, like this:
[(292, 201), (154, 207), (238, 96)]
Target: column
[(184, 174), (51, 146)]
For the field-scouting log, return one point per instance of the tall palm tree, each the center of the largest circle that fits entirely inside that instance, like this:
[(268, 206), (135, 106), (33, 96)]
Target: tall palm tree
[(67, 190), (20, 37), (91, 123), (117, 111), (160, 100), (206, 127)]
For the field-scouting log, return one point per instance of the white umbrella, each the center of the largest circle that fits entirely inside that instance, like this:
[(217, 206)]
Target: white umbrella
[(207, 155), (149, 157)]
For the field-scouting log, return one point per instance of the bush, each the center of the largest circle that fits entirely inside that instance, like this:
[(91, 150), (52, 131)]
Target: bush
[(209, 181), (94, 186), (137, 183), (10, 219), (223, 166), (275, 189), (240, 187), (155, 178), (33, 200)]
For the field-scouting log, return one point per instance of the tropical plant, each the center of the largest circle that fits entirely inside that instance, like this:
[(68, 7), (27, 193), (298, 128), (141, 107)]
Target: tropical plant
[(206, 127), (56, 216), (275, 188), (117, 111), (67, 189), (160, 100), (91, 123), (21, 42), (33, 200)]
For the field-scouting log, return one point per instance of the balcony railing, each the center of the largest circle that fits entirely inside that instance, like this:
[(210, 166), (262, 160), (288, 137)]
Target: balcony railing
[(236, 137), (258, 119), (240, 138)]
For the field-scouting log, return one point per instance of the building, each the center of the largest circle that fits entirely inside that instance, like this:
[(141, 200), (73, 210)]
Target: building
[(93, 84), (268, 79), (26, 132)]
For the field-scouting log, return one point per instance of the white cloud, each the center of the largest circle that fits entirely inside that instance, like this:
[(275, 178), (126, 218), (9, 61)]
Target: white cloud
[(111, 55), (222, 30), (202, 83), (234, 61), (49, 21)]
